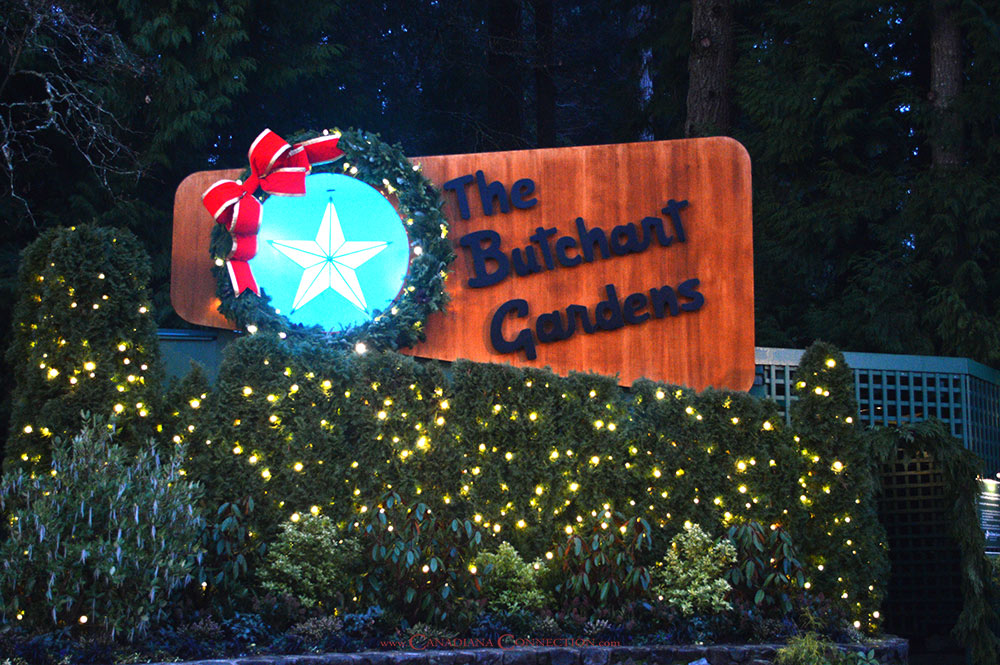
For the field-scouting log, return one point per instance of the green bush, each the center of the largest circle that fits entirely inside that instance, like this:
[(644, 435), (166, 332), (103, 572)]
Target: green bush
[(316, 629), (84, 339), (690, 577), (419, 566), (811, 649), (844, 547), (510, 583), (312, 561), (602, 568), (528, 457), (104, 539), (767, 571)]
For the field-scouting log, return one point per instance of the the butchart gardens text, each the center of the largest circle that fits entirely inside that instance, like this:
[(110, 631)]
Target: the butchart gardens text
[(548, 249)]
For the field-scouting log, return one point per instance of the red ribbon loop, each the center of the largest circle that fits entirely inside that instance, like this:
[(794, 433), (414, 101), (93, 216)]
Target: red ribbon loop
[(276, 168)]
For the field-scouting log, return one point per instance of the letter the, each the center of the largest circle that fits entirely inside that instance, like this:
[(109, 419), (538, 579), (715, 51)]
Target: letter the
[(457, 185), (522, 188), (489, 194), (481, 254), (524, 341)]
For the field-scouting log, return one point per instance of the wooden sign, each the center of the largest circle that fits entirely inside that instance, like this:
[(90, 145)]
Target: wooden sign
[(633, 260)]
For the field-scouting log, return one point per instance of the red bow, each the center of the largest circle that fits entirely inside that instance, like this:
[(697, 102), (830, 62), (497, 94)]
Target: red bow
[(276, 168)]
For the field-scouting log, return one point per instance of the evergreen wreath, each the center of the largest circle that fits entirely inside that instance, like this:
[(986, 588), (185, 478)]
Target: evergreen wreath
[(383, 166)]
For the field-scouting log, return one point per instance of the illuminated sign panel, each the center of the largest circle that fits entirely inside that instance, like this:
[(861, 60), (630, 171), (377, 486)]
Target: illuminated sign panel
[(331, 257), (632, 259)]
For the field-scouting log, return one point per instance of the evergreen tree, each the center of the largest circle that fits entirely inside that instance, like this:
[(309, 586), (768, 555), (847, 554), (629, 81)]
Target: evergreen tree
[(162, 89), (873, 146), (842, 541), (709, 102), (828, 143), (84, 340), (953, 204)]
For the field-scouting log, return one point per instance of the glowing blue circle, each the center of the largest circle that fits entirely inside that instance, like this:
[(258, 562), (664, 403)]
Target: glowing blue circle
[(331, 257)]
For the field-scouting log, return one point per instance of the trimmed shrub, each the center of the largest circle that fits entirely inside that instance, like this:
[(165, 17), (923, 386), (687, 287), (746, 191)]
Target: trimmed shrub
[(843, 545), (84, 340), (530, 458), (690, 578), (104, 539), (511, 584), (312, 561)]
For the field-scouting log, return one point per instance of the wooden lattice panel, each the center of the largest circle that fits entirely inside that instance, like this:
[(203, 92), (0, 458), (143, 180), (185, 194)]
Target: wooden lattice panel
[(925, 595)]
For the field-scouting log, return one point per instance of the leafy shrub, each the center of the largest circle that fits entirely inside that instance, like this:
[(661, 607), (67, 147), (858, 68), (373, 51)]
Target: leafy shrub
[(767, 570), (511, 584), (690, 577), (541, 625), (816, 613), (316, 629), (421, 635), (602, 568), (490, 626), (312, 561), (811, 649), (105, 537), (246, 629), (362, 625), (419, 566), (205, 629), (228, 541), (279, 611), (84, 339)]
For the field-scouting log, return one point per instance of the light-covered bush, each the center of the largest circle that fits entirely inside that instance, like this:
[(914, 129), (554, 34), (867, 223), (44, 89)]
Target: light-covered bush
[(312, 561), (418, 566), (103, 538), (511, 584), (767, 570), (690, 577), (84, 339)]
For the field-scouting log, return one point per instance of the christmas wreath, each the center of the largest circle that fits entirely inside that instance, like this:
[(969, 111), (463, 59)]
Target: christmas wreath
[(280, 167)]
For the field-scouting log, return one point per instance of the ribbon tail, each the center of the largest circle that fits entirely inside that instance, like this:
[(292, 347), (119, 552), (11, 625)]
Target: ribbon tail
[(321, 149), (242, 277)]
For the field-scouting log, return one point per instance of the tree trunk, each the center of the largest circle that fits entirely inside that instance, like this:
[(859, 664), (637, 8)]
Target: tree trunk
[(709, 66), (545, 88), (639, 23), (506, 86), (946, 84)]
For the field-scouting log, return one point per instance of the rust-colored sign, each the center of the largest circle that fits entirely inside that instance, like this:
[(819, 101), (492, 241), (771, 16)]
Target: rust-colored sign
[(632, 259)]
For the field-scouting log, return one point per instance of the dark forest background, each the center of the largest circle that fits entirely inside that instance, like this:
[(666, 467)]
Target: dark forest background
[(874, 128)]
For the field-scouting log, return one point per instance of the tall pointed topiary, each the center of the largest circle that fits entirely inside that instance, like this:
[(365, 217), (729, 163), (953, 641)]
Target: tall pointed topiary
[(844, 545), (84, 339)]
